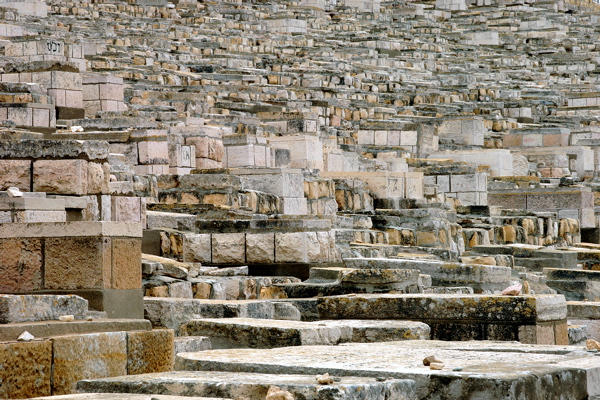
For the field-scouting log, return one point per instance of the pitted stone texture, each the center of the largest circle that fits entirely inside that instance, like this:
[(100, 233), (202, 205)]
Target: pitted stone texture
[(31, 308), (123, 396), (126, 263), (95, 355), (20, 265), (15, 173), (490, 370), (78, 263), (150, 351), (228, 248), (60, 176), (25, 369), (254, 386), (39, 149), (520, 309)]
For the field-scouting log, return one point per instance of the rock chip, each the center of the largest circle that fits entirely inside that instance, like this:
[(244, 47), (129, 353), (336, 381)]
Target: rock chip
[(324, 379), (436, 365), (431, 359), (25, 337), (275, 393), (513, 290), (592, 344), (66, 318)]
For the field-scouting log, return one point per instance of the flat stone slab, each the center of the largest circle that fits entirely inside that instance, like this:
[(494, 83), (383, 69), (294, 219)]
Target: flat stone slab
[(269, 333), (10, 332), (488, 370), (527, 309), (583, 309), (485, 278), (122, 396), (252, 386), (32, 308)]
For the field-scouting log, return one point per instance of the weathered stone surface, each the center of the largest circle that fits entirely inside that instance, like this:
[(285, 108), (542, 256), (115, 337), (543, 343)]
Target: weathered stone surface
[(190, 344), (27, 148), (26, 369), (77, 263), (60, 176), (15, 173), (54, 328), (123, 396), (228, 248), (126, 263), (150, 351), (488, 370), (20, 265), (94, 355), (260, 333), (31, 308), (254, 386)]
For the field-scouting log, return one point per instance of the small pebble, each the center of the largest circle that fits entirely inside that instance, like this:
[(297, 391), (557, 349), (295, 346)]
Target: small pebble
[(324, 379), (436, 365), (66, 318), (337, 379), (457, 369), (380, 378), (592, 344), (431, 359)]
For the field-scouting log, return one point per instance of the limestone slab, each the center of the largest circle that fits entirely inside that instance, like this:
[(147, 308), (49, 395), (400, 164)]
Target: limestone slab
[(150, 351), (122, 396), (25, 369), (490, 370), (254, 386), (45, 329), (94, 355), (16, 308)]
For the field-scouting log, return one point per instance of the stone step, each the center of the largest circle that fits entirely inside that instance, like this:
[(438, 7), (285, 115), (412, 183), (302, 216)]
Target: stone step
[(483, 278), (173, 312), (268, 333), (568, 258), (472, 370), (253, 386), (11, 331), (122, 396), (537, 319), (335, 281), (33, 308)]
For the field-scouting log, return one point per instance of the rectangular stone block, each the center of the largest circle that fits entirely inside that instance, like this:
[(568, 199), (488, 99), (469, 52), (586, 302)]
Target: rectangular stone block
[(126, 209), (32, 308), (153, 153), (20, 265), (150, 351), (260, 247), (228, 248), (77, 263), (197, 248), (16, 173), (89, 356), (60, 176), (26, 369), (126, 263)]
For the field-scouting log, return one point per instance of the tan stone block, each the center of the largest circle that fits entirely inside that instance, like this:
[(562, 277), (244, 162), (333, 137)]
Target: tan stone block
[(97, 178), (509, 233), (260, 247), (89, 356), (158, 291), (150, 351), (126, 209), (290, 247), (272, 292), (20, 265), (76, 263), (196, 248), (202, 290), (26, 369), (217, 199), (126, 263), (229, 248), (60, 176), (426, 238), (561, 334)]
